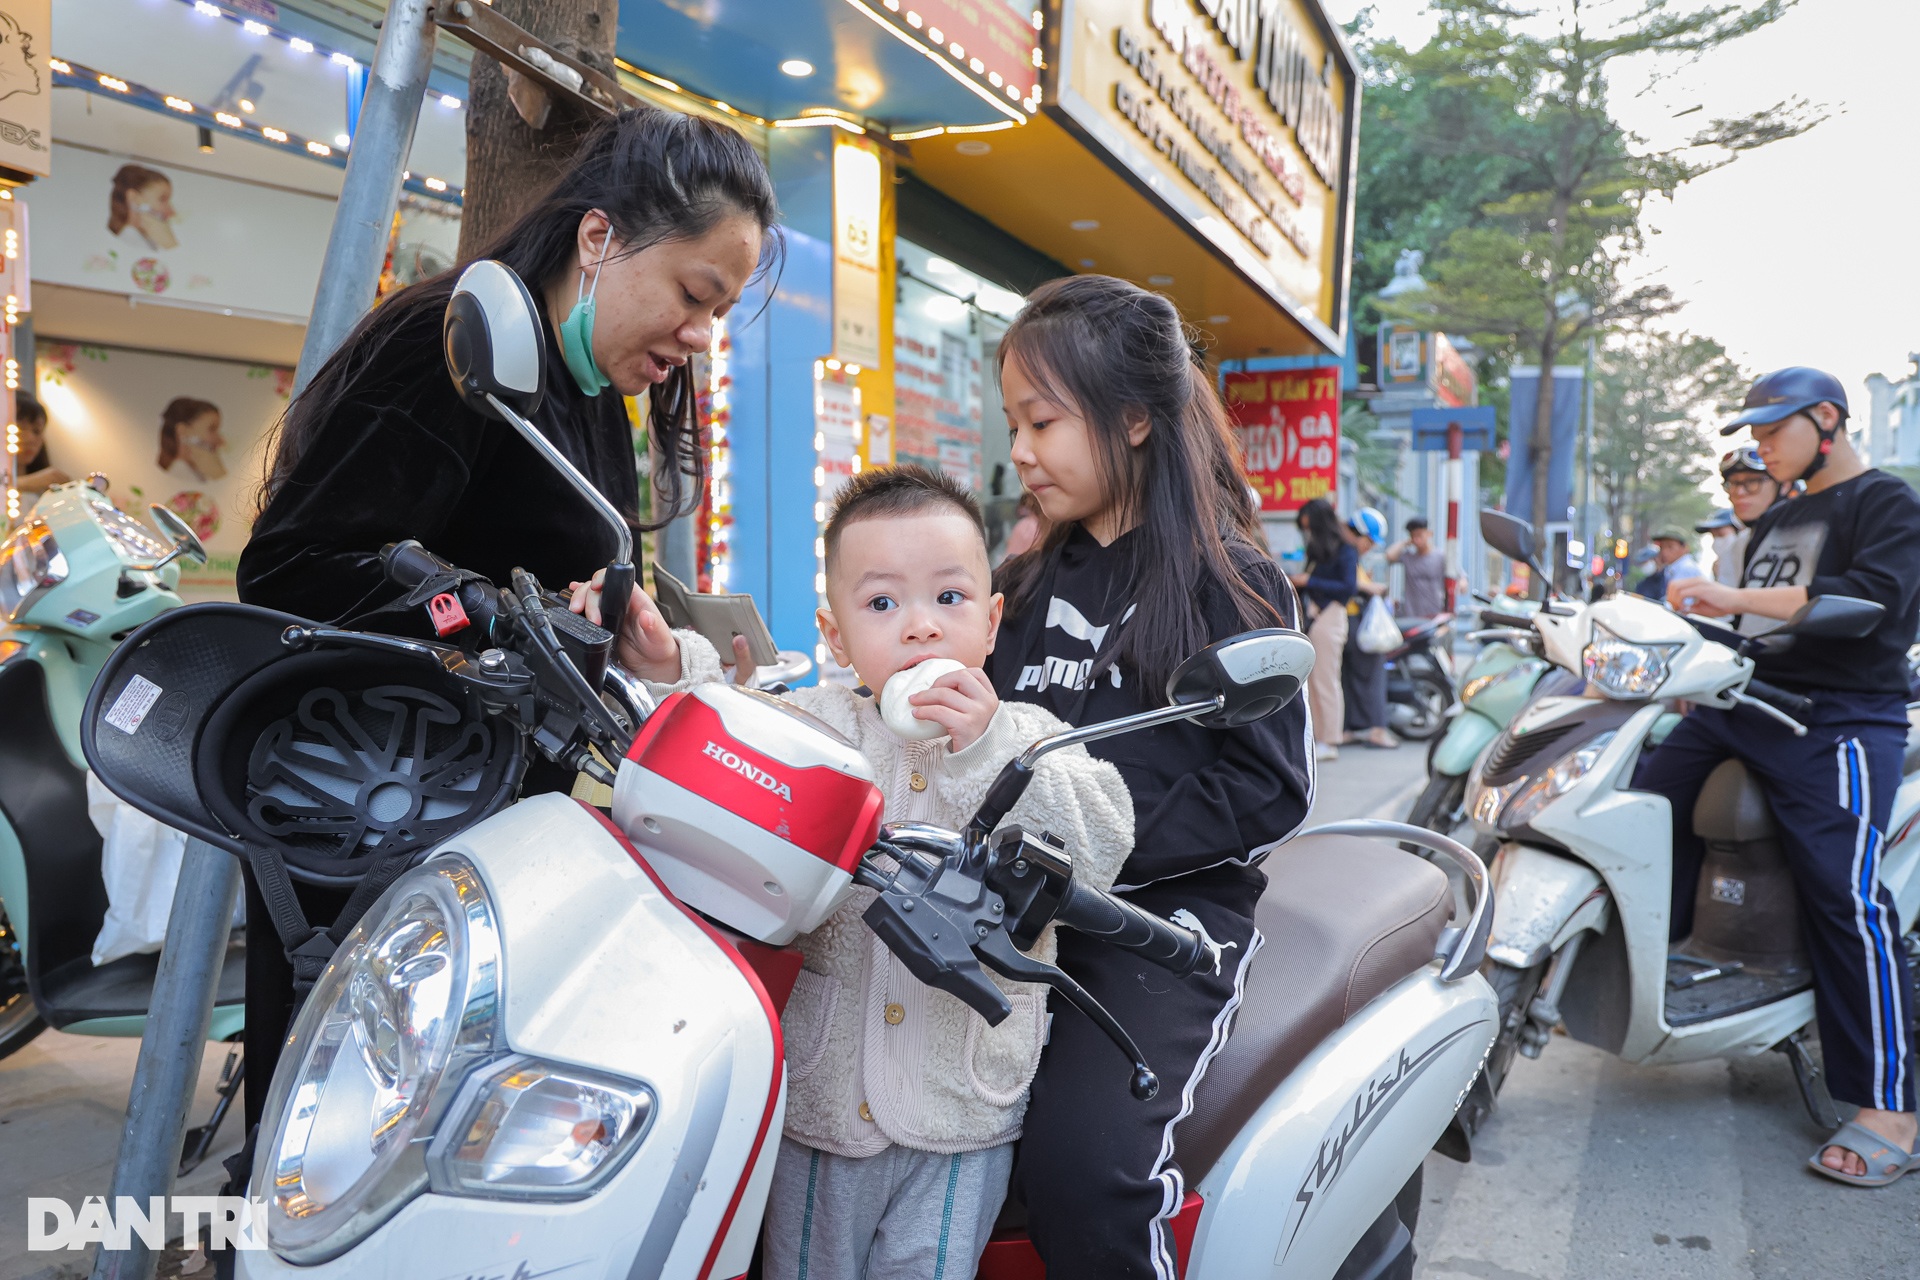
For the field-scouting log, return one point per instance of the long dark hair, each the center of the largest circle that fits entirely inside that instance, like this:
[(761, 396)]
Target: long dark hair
[(657, 175), (1320, 530), (1115, 352)]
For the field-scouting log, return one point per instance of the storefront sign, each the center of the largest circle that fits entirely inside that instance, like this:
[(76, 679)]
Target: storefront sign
[(856, 252), (992, 40), (1241, 117), (26, 86), (1288, 424), (184, 432)]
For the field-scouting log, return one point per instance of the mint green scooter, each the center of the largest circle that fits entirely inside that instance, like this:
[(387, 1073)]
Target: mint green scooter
[(1503, 677), (76, 576)]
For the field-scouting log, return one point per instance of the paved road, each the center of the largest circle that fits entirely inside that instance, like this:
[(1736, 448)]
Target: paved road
[(1590, 1170), (1595, 1170)]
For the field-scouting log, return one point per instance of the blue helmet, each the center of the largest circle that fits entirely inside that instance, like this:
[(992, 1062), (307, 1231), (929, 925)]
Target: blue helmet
[(1785, 392), (1369, 523)]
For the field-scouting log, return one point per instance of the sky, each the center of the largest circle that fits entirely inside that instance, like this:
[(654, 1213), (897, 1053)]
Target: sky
[(1806, 251)]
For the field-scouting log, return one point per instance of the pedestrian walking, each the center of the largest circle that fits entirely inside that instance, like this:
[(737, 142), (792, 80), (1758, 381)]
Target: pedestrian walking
[(1326, 585)]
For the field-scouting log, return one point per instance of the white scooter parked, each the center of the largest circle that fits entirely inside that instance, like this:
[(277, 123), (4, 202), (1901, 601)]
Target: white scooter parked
[(553, 1044), (1583, 877)]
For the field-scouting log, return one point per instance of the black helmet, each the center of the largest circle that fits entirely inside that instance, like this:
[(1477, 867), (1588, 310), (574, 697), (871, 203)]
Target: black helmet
[(335, 757)]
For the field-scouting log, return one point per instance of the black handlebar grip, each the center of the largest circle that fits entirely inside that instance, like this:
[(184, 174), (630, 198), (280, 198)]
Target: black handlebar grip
[(409, 564), (1119, 923), (1796, 705)]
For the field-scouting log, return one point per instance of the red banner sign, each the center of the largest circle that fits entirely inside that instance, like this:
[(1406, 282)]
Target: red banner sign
[(1288, 423)]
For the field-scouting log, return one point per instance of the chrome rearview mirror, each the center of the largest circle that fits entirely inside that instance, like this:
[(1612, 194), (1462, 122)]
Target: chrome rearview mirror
[(186, 543), (1247, 677), (496, 355)]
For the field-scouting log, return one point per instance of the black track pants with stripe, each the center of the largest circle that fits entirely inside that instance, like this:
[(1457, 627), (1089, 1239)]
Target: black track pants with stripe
[(1096, 1166), (1832, 795)]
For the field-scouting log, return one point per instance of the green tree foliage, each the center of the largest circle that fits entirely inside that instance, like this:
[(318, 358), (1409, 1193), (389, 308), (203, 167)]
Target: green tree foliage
[(1659, 398), (1523, 92)]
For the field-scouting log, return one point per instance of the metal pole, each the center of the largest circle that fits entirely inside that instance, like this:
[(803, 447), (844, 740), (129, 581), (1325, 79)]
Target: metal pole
[(1587, 529), (364, 219), (168, 1069), (1456, 485)]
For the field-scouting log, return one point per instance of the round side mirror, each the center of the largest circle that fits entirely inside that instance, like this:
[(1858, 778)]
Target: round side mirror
[(493, 340), (1254, 674), (186, 543)]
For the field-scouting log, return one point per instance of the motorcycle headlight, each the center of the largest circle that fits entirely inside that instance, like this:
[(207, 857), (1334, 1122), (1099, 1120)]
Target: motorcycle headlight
[(31, 564), (412, 993), (1484, 803), (1625, 668), (1543, 789), (539, 1131)]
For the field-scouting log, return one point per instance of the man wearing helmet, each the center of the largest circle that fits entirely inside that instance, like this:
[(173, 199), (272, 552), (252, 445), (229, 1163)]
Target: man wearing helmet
[(1751, 493), (1855, 532)]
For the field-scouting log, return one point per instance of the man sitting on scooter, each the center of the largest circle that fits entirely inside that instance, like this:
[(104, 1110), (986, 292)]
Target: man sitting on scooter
[(1855, 532)]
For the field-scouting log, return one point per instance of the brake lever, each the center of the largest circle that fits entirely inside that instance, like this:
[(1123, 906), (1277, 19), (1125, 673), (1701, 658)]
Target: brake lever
[(1000, 955)]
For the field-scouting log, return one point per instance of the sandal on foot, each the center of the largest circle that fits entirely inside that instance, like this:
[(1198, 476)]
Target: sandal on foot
[(1885, 1162)]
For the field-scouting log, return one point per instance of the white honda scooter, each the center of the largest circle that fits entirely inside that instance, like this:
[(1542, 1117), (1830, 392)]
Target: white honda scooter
[(553, 1044), (1583, 876)]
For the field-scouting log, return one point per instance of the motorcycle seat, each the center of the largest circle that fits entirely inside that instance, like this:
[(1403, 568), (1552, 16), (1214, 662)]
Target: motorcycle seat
[(1732, 806), (1415, 628), (1343, 919)]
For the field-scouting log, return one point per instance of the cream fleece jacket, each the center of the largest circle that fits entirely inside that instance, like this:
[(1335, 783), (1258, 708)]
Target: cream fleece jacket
[(874, 1057)]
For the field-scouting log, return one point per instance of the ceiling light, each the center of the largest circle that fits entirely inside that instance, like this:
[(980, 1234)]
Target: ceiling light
[(341, 140), (972, 148), (246, 105), (797, 67), (448, 100), (1085, 224), (945, 309)]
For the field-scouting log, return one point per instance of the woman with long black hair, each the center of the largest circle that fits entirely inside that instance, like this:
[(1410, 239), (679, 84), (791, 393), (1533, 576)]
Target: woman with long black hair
[(1328, 582), (1122, 441), (641, 245)]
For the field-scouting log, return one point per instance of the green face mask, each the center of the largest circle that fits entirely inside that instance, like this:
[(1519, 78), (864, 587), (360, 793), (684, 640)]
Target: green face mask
[(576, 332)]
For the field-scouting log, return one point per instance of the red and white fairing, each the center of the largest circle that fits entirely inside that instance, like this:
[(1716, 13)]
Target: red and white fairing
[(749, 809)]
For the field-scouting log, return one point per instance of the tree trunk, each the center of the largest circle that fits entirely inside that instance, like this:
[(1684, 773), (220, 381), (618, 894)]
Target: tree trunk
[(509, 162)]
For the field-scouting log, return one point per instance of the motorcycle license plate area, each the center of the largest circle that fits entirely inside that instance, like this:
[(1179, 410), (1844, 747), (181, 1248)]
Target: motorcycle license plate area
[(750, 810)]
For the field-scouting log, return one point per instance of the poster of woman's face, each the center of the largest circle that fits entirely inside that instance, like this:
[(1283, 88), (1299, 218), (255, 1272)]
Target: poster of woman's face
[(142, 198), (190, 440)]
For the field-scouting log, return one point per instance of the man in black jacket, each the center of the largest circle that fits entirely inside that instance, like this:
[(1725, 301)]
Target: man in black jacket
[(1856, 532)]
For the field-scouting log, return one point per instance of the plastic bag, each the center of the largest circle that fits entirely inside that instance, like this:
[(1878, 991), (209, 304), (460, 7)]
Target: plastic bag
[(140, 862), (1379, 633)]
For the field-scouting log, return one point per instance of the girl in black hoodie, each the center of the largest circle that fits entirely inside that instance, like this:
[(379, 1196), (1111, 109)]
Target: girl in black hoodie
[(1153, 553)]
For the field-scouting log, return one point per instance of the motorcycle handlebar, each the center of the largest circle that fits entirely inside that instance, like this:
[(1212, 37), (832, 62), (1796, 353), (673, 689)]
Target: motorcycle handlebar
[(1796, 705), (409, 564), (1119, 923)]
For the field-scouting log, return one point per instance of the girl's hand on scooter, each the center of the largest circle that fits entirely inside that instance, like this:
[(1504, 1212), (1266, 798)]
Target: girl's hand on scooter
[(961, 702), (645, 644)]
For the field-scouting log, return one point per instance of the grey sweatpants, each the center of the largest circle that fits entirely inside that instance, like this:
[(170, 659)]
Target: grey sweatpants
[(900, 1215)]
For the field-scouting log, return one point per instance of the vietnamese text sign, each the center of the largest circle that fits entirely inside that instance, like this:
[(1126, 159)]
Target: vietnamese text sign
[(856, 252), (1237, 116), (1288, 424)]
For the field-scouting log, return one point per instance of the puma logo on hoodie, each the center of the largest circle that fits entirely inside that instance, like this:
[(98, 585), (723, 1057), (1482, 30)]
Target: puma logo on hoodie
[(1070, 673)]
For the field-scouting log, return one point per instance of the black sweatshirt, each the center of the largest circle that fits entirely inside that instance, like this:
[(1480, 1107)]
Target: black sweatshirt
[(404, 457), (1859, 538), (1202, 798)]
